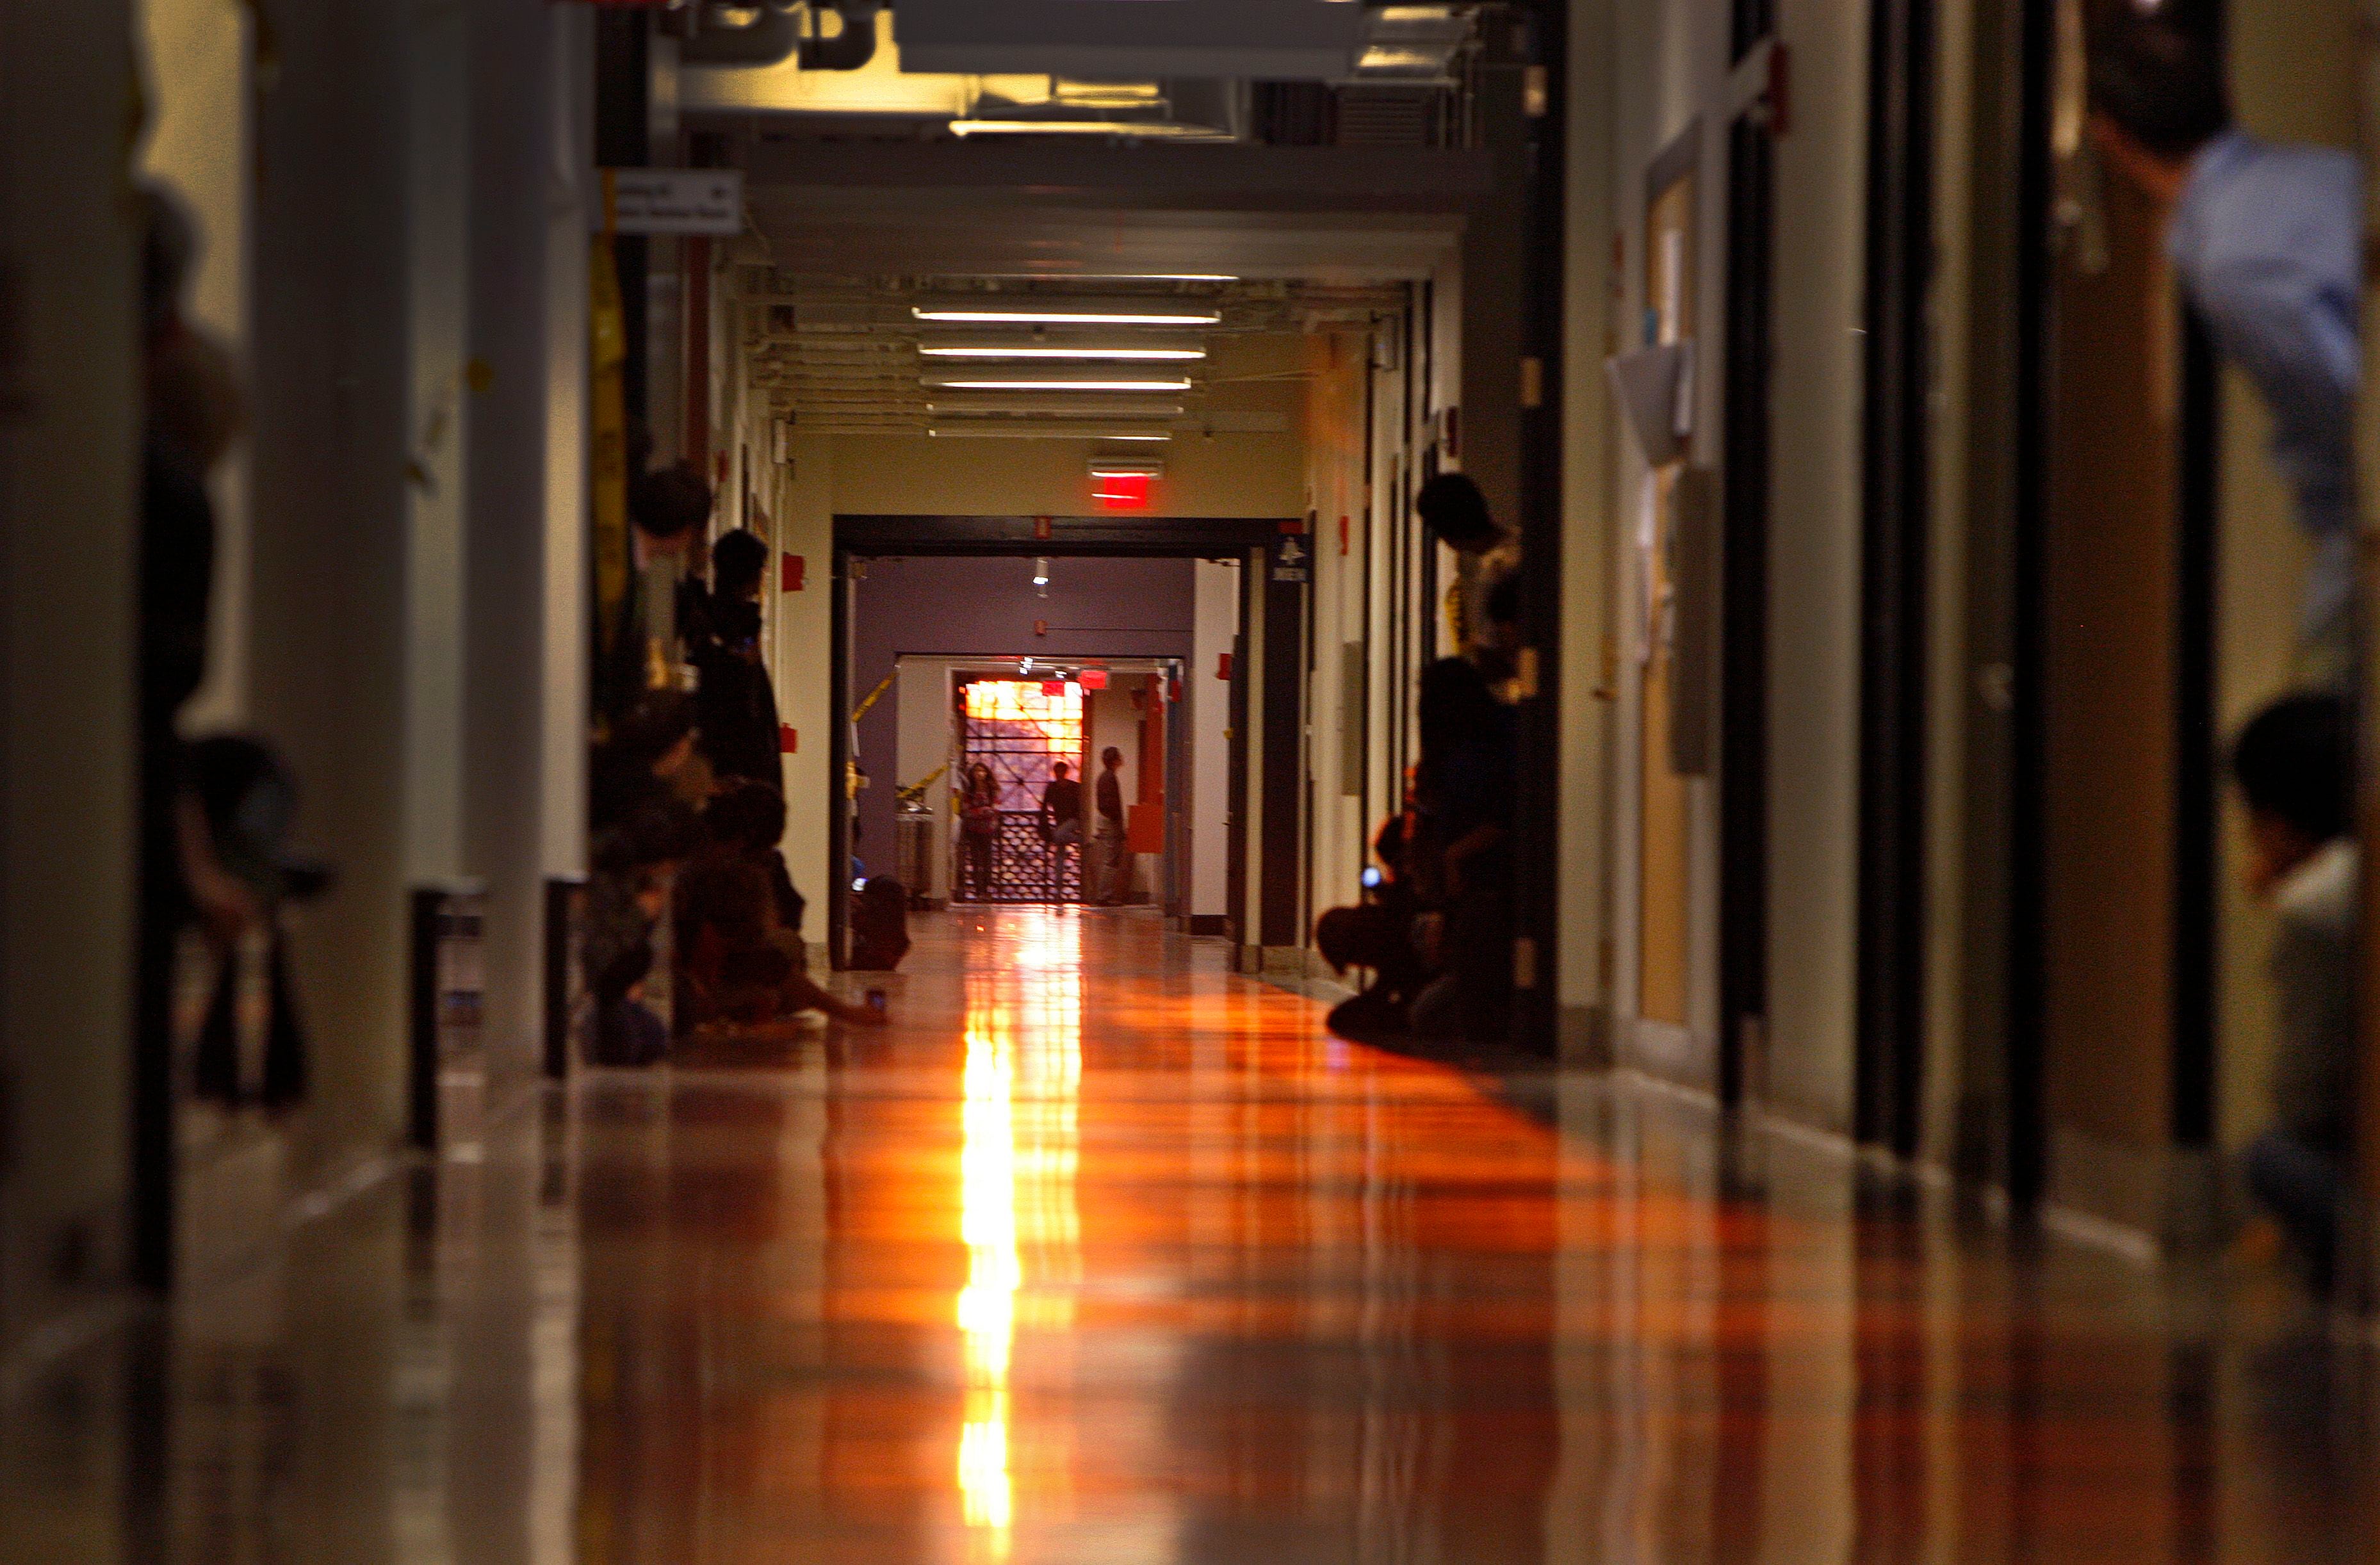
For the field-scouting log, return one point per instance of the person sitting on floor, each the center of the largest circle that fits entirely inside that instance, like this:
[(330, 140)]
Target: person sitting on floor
[(1463, 853), (2294, 764), (741, 958), (627, 894), (645, 761), (879, 925), (1376, 934)]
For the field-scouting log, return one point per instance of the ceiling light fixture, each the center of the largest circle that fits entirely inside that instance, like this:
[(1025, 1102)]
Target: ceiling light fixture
[(970, 406), (1054, 277), (1165, 354), (1155, 130), (1030, 383), (988, 312), (990, 429)]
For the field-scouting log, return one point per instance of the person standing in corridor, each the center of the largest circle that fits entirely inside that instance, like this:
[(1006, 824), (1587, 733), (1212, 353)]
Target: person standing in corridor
[(1062, 824), (1111, 864), (978, 829), (2267, 241)]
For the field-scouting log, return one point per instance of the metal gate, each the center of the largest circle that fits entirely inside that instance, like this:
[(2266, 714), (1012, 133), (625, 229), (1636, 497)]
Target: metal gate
[(1021, 729)]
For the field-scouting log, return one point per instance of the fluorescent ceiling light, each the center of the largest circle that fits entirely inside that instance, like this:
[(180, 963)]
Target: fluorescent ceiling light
[(1118, 352), (978, 381), (1392, 57), (987, 430), (1156, 129), (1127, 467), (1111, 277), (1095, 407), (1053, 311)]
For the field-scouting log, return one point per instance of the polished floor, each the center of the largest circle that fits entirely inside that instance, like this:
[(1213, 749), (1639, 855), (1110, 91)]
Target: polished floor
[(1101, 1255)]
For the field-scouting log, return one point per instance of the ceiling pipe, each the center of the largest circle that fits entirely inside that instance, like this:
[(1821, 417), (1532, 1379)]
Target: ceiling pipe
[(773, 35)]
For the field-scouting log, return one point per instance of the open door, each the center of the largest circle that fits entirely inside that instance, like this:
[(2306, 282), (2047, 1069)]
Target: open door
[(1664, 983)]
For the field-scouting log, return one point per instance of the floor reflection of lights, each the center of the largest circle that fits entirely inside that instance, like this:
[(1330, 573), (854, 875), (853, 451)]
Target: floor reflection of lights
[(1018, 1215)]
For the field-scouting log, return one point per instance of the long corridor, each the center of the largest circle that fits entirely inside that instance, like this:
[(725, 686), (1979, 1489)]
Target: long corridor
[(1102, 1254)]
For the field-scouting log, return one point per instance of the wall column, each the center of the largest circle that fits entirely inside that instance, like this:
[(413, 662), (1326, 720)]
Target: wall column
[(68, 536), (328, 639), (529, 378)]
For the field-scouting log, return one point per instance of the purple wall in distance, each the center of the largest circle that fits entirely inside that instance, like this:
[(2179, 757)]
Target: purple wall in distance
[(1096, 608)]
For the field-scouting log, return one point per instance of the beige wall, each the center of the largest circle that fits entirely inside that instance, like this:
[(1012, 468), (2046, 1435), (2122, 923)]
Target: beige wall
[(196, 87), (1228, 475), (1339, 365), (803, 626), (1589, 542), (1814, 554), (1219, 475), (1669, 69)]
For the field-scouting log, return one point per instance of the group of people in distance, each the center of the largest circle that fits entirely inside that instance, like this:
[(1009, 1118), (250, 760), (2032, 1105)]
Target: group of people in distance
[(687, 806), (1434, 932), (1107, 873)]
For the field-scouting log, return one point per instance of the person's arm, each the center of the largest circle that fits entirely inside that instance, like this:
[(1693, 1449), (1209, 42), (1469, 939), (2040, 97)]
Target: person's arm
[(2271, 263)]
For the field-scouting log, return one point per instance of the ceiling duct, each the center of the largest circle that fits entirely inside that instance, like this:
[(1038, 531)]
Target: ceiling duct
[(769, 34), (1133, 40)]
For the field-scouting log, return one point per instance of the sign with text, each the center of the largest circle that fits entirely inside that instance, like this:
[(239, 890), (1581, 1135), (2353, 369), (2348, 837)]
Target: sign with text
[(671, 201)]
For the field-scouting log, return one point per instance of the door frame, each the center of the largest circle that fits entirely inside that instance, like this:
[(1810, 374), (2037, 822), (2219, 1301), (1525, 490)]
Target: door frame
[(1889, 1048), (1744, 593), (876, 535)]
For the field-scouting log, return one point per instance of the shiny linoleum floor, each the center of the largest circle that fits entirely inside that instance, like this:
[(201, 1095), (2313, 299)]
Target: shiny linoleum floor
[(1102, 1254)]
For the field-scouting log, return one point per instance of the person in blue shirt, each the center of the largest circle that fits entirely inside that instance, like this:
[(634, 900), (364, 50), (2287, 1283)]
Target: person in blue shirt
[(2266, 240)]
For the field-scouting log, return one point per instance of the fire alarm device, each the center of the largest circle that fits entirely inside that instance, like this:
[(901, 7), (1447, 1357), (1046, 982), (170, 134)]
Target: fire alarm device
[(791, 569), (789, 741)]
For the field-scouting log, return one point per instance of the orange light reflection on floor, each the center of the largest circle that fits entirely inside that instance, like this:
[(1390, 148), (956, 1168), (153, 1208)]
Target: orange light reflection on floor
[(1018, 1213)]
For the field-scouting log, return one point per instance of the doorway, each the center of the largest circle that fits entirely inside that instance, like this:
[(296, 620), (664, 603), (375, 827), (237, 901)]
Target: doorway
[(1139, 612), (1665, 793), (1021, 732)]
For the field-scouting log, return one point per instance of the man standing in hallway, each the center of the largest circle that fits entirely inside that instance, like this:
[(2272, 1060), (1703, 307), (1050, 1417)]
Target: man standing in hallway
[(1062, 824), (737, 704), (1112, 863), (2267, 241)]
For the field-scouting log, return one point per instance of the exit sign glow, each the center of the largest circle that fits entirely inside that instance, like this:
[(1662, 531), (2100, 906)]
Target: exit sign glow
[(1123, 492)]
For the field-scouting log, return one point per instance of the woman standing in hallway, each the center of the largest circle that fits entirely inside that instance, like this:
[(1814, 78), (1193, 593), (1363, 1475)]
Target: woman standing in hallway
[(979, 828)]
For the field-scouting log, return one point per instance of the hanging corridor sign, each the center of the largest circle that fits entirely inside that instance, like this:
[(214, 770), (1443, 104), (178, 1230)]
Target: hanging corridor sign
[(671, 201)]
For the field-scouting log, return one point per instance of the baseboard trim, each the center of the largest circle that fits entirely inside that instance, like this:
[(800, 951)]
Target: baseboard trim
[(1210, 925), (2153, 1199), (1671, 1051), (1583, 1037)]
